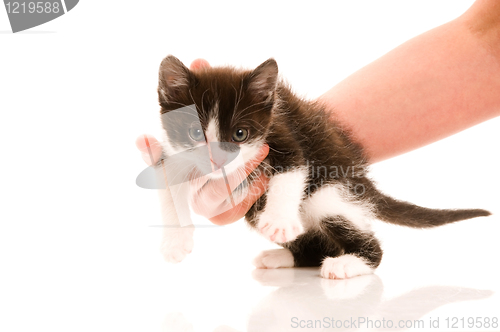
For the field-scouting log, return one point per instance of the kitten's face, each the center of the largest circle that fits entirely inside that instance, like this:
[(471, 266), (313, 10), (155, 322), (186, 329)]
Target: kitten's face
[(216, 117)]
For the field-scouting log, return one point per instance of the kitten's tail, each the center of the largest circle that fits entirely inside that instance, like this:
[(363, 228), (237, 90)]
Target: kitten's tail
[(402, 213)]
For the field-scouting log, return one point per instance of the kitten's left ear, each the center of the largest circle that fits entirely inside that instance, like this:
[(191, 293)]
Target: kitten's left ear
[(174, 79), (263, 79)]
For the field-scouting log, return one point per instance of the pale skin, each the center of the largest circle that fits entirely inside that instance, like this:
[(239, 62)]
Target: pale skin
[(430, 87)]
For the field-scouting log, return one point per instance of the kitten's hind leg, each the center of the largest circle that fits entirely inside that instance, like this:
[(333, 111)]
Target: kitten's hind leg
[(345, 266), (311, 248), (361, 250), (273, 259)]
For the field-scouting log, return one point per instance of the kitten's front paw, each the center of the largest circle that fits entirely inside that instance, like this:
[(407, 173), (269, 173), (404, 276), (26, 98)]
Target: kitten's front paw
[(177, 244), (280, 229)]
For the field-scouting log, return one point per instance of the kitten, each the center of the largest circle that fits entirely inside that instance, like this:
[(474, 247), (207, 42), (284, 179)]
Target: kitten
[(319, 201)]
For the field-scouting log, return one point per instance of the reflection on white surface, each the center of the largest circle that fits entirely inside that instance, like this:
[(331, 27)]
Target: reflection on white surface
[(303, 298)]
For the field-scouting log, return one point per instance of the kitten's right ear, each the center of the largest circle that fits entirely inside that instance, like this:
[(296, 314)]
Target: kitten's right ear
[(174, 79)]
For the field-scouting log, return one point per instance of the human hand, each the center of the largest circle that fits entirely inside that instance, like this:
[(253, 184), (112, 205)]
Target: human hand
[(211, 198)]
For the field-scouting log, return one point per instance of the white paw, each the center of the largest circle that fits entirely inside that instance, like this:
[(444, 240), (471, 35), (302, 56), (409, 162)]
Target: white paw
[(280, 229), (177, 243), (345, 266), (273, 259)]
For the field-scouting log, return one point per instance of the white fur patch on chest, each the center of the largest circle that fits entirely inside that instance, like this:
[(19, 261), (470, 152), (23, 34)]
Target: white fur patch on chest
[(334, 200)]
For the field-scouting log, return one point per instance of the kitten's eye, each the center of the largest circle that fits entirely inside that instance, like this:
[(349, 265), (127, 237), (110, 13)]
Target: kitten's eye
[(196, 134), (240, 135)]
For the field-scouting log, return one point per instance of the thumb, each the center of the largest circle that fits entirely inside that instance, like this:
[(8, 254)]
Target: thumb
[(150, 148)]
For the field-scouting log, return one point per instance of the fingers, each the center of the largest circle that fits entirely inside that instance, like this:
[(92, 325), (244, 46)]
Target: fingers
[(218, 189), (211, 201), (199, 64), (256, 190), (150, 148)]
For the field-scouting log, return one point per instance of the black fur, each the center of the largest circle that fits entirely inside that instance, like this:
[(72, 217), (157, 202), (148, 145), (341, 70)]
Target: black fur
[(299, 133), (337, 237)]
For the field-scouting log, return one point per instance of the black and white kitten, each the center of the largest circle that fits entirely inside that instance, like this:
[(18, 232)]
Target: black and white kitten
[(319, 201)]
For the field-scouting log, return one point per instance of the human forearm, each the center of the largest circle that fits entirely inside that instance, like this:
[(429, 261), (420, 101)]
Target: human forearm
[(430, 87)]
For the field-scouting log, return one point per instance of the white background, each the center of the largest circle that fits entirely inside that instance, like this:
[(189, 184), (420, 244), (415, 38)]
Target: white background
[(78, 250)]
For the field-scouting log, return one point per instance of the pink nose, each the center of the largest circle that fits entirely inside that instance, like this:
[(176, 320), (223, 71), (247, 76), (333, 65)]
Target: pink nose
[(218, 157), (218, 162)]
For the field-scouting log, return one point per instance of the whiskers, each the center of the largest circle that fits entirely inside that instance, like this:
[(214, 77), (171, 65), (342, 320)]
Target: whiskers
[(174, 174)]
